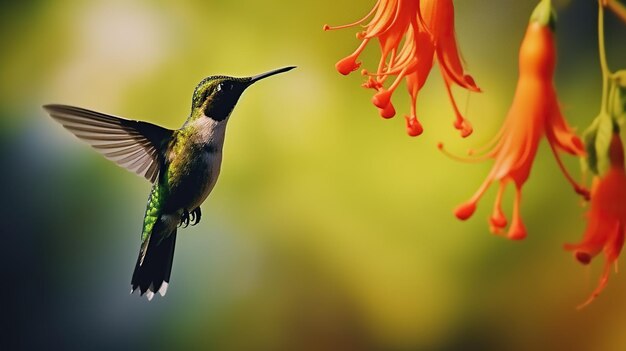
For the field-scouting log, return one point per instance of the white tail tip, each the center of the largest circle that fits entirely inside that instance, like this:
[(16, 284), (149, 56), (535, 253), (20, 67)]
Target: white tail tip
[(163, 288)]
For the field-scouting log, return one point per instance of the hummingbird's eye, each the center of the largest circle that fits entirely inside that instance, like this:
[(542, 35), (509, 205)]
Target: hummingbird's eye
[(219, 87)]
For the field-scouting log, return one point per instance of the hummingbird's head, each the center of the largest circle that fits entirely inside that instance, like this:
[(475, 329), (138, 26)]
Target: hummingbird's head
[(216, 96)]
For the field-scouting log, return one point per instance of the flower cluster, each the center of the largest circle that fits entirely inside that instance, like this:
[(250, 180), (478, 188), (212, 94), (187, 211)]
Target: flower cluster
[(606, 218), (534, 114), (411, 34)]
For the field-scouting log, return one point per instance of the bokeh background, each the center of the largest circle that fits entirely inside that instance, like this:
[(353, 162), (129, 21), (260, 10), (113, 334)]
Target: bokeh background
[(329, 229)]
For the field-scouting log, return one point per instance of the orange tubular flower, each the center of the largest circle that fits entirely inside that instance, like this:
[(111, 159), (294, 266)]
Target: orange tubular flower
[(425, 37), (606, 224), (534, 113)]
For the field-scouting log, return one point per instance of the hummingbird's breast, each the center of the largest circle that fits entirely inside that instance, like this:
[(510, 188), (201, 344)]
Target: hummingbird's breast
[(195, 160), (192, 178), (210, 165)]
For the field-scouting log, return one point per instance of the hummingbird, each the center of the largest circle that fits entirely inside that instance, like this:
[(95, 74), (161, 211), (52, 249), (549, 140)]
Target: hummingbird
[(183, 165)]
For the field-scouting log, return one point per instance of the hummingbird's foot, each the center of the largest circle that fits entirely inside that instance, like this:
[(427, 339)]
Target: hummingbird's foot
[(184, 219), (196, 215)]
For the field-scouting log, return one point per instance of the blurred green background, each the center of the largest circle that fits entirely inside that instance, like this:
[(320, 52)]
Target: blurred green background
[(329, 228)]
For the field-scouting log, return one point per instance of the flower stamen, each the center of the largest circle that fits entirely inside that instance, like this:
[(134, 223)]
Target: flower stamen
[(326, 27)]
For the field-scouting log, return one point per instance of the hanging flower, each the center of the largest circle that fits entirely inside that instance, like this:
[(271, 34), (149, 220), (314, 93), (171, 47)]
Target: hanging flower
[(606, 219), (425, 37), (534, 113)]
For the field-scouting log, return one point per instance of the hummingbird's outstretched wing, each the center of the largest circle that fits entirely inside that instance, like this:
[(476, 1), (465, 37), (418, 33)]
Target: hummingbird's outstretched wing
[(135, 145)]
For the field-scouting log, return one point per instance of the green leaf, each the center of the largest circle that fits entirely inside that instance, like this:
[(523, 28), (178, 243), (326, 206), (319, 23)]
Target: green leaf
[(603, 138), (544, 14), (584, 166), (620, 104), (589, 138), (617, 97)]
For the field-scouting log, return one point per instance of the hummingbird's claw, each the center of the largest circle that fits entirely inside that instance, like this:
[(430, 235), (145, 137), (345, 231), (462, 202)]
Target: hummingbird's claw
[(184, 219), (192, 217), (196, 215)]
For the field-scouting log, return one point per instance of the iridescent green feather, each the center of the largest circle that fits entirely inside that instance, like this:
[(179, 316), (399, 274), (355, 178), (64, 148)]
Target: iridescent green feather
[(153, 210), (158, 195), (179, 147)]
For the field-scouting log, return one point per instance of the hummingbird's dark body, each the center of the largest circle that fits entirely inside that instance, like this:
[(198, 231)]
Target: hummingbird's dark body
[(183, 165)]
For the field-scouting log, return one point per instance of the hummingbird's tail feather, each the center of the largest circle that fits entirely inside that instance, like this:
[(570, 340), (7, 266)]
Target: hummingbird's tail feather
[(152, 275)]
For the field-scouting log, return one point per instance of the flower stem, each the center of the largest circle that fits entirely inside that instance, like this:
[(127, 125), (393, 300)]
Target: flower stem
[(606, 73)]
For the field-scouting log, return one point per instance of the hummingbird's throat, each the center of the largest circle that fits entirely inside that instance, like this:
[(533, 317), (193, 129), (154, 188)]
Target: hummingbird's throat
[(220, 108)]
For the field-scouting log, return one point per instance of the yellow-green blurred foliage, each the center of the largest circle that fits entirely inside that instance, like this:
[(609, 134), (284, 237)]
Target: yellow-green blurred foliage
[(329, 229)]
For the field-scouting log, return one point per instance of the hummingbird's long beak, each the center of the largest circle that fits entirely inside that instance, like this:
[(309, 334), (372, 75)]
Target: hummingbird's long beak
[(270, 73)]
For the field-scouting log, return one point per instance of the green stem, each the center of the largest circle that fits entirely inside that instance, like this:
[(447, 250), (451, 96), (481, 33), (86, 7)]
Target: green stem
[(606, 73)]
